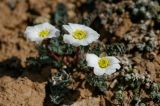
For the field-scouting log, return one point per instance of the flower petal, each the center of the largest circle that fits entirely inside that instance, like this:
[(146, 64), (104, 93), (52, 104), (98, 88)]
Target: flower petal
[(68, 28), (113, 60), (31, 34), (109, 71), (114, 66), (54, 33), (92, 60), (98, 71), (76, 26), (92, 37), (70, 40)]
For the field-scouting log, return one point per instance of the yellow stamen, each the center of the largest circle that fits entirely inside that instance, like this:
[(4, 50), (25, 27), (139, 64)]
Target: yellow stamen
[(79, 34), (103, 62), (44, 33)]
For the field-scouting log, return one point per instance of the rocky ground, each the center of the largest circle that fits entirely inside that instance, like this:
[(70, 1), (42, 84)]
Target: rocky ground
[(29, 88)]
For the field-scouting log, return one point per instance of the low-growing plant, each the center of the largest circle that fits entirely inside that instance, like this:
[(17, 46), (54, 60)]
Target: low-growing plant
[(145, 9), (77, 50), (80, 51), (137, 83), (58, 86)]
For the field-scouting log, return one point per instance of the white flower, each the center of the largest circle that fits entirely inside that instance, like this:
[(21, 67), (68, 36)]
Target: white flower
[(42, 31), (103, 65), (79, 35)]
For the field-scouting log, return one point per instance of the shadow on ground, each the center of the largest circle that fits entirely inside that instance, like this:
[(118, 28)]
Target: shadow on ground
[(12, 67)]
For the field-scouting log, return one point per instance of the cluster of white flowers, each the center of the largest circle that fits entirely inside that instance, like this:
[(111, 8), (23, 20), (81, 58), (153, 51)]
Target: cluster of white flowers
[(78, 35)]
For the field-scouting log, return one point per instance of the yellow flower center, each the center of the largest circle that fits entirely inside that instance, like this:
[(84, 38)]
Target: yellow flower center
[(44, 33), (103, 62), (79, 34)]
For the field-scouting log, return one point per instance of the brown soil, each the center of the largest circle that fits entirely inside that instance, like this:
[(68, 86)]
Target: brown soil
[(21, 92), (12, 25), (146, 66), (29, 89)]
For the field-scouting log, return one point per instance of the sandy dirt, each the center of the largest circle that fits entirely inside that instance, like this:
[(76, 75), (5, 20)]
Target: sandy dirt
[(28, 89)]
